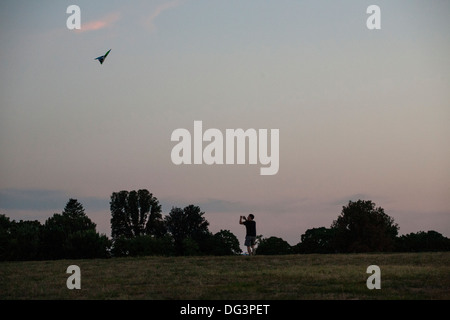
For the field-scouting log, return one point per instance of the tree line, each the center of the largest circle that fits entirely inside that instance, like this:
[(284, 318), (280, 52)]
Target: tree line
[(361, 227), (138, 228)]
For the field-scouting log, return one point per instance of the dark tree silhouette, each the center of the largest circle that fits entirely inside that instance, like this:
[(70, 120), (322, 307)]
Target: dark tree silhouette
[(423, 241), (72, 235), (362, 227), (135, 213), (273, 246), (185, 225), (5, 237), (226, 243), (19, 240), (145, 245), (317, 240), (75, 219)]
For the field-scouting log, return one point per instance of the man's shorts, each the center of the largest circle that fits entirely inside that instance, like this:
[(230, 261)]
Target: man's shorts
[(249, 241)]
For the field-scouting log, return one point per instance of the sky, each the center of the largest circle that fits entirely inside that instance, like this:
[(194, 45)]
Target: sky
[(362, 114)]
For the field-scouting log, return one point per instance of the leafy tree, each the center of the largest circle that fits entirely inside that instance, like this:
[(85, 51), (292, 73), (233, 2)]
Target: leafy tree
[(273, 246), (19, 240), (135, 213), (423, 241), (5, 236), (187, 223), (190, 247), (226, 243), (25, 240), (75, 219), (316, 240), (72, 235), (53, 237), (362, 227), (220, 244), (144, 245), (87, 244)]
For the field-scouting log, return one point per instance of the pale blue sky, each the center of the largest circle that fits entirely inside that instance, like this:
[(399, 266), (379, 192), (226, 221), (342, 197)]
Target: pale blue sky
[(362, 114)]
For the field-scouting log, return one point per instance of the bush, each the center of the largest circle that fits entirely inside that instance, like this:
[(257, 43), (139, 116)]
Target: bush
[(145, 245), (273, 246), (423, 241)]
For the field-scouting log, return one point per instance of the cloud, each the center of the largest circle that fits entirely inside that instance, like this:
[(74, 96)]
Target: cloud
[(215, 205), (31, 199), (105, 22), (45, 200), (206, 205), (159, 10)]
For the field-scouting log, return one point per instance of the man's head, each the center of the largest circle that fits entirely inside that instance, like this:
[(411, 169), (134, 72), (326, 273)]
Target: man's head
[(251, 217)]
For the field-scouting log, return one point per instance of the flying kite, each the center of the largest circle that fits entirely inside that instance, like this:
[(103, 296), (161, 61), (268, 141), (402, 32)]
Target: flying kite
[(101, 59)]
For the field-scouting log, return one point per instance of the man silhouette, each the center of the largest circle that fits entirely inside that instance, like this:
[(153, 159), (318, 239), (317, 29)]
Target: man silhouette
[(250, 237)]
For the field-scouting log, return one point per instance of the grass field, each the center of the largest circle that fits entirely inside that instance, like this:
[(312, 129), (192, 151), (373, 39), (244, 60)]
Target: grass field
[(316, 276)]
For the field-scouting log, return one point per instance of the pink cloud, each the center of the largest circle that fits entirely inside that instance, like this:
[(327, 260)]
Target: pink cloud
[(159, 10), (105, 22)]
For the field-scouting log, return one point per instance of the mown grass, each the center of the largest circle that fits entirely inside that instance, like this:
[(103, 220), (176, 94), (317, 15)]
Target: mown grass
[(422, 276)]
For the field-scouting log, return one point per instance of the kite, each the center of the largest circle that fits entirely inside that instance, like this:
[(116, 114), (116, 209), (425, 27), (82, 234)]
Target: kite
[(101, 59)]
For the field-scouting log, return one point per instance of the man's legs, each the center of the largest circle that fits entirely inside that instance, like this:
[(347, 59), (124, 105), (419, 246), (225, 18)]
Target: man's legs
[(250, 243)]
